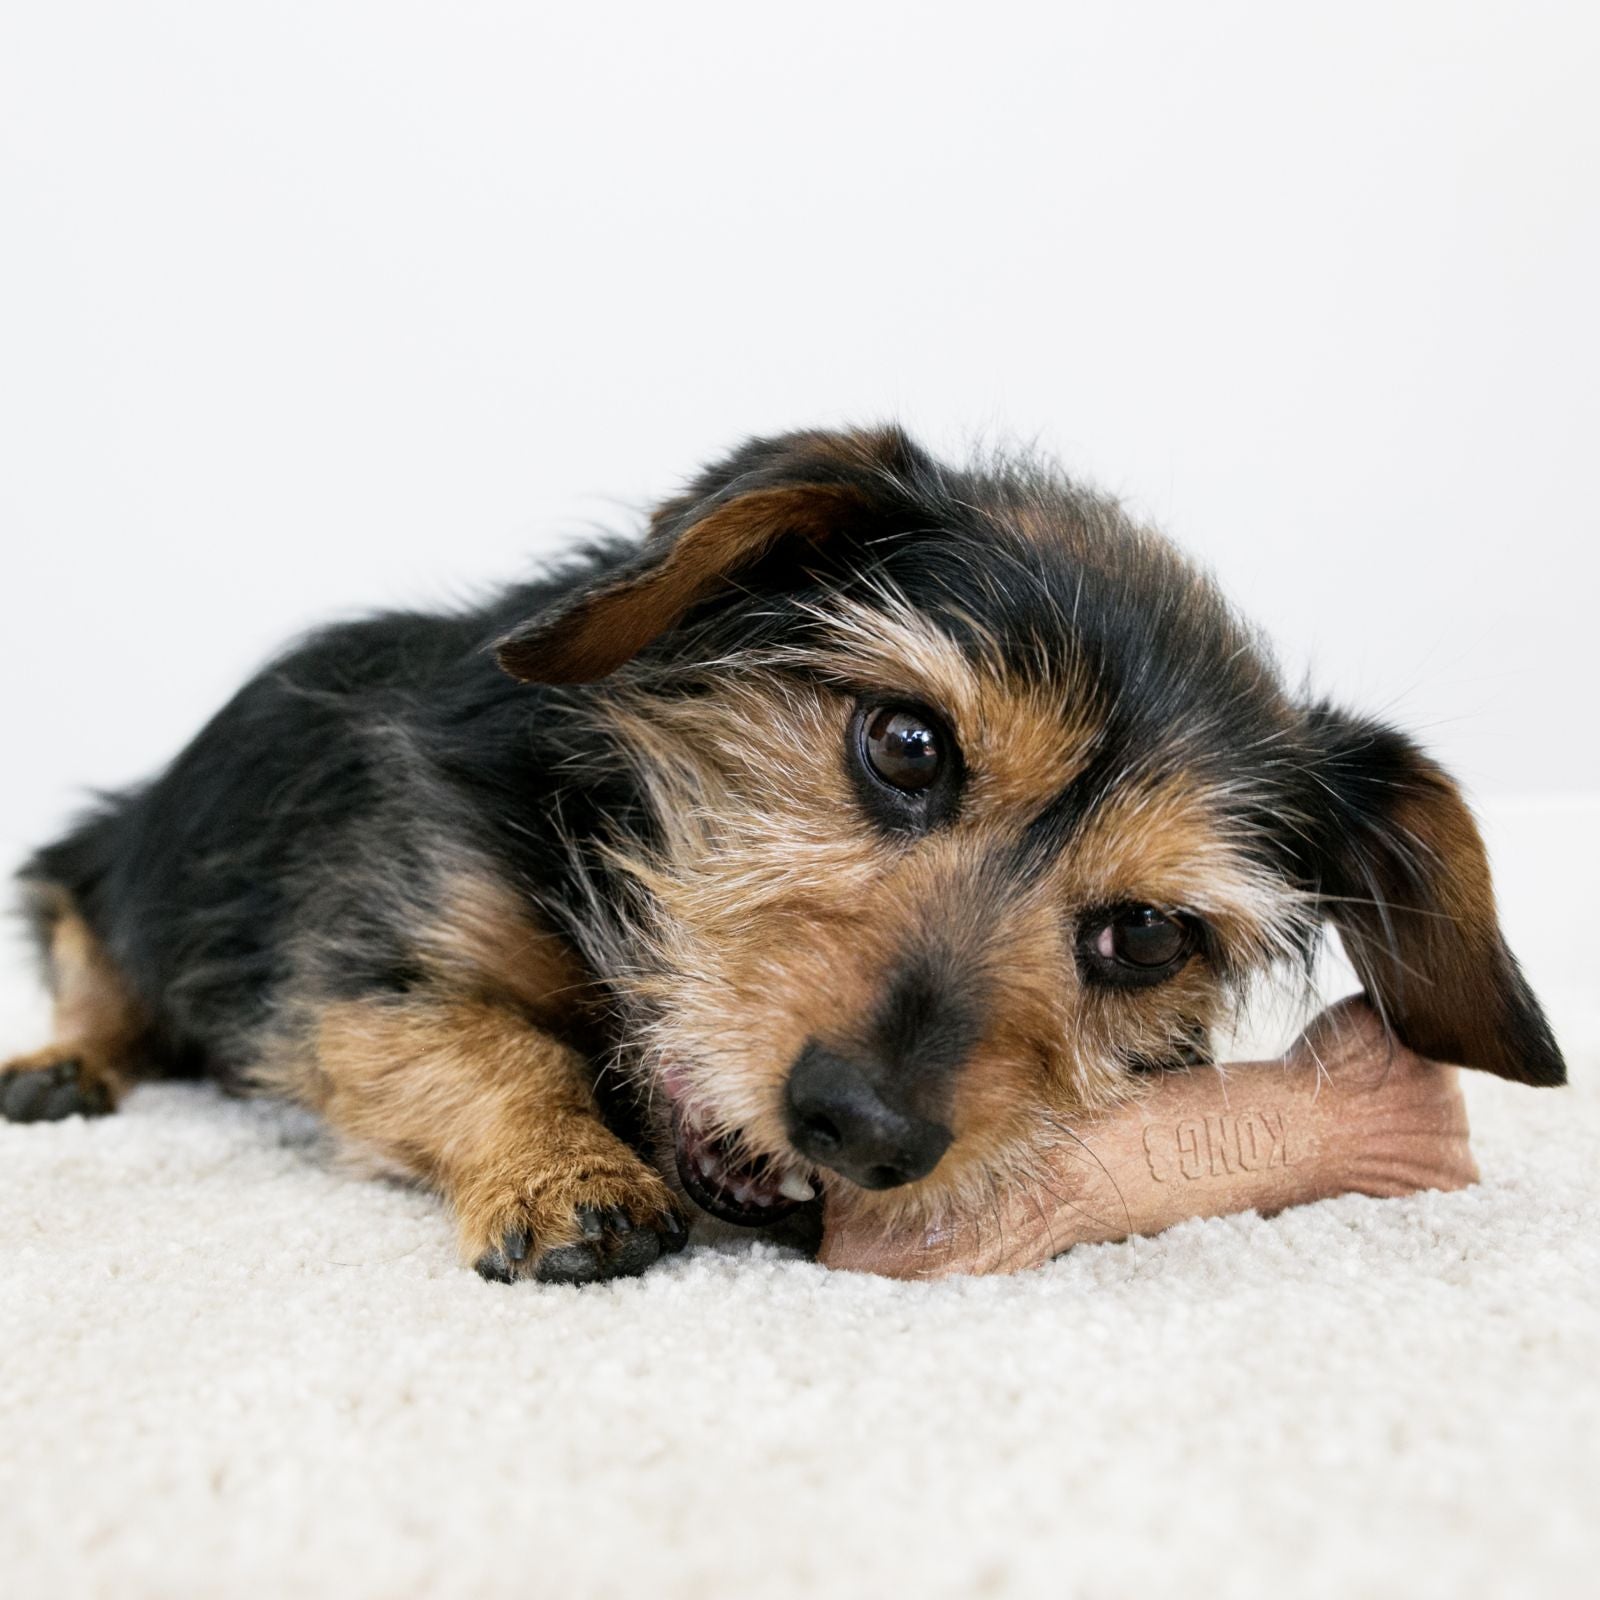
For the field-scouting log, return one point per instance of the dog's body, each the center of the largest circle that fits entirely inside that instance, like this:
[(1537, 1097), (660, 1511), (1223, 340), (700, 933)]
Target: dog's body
[(851, 831)]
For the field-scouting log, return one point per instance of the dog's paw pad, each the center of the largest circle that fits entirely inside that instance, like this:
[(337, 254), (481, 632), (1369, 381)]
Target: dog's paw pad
[(612, 1245), (52, 1092), (584, 1262), (612, 1241)]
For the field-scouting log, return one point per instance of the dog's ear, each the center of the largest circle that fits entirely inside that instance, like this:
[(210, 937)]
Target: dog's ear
[(794, 498), (1403, 874)]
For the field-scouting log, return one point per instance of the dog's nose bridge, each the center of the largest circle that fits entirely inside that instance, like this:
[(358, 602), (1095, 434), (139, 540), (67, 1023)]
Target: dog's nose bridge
[(930, 1003), (937, 986), (927, 1022)]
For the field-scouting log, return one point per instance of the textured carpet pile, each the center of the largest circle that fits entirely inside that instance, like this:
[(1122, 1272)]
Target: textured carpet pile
[(229, 1367)]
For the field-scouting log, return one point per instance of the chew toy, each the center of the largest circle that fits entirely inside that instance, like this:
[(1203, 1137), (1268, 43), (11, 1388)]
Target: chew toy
[(1347, 1110)]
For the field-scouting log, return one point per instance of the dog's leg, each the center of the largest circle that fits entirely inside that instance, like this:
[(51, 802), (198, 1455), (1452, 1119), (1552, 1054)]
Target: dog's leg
[(85, 1069), (498, 1116)]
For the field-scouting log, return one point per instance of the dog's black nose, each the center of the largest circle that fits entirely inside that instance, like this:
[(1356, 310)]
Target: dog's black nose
[(840, 1119)]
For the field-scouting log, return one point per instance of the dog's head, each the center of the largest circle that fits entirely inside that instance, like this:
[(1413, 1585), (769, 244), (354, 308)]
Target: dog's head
[(971, 800)]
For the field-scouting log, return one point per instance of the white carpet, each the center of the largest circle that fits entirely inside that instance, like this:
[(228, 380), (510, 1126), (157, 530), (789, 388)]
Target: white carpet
[(230, 1369)]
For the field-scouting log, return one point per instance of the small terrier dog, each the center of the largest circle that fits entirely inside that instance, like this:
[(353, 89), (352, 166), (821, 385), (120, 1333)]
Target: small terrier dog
[(842, 839)]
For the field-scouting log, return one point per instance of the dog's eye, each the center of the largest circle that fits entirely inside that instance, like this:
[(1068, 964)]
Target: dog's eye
[(903, 747), (1142, 937), (1133, 945)]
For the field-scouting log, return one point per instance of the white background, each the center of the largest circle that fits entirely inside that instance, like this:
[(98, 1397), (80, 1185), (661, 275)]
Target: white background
[(309, 307)]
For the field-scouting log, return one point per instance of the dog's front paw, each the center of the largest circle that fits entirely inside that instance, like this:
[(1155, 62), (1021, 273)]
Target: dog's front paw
[(603, 1215), (52, 1085)]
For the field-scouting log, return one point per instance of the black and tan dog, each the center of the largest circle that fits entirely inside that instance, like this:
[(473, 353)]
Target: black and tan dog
[(845, 834)]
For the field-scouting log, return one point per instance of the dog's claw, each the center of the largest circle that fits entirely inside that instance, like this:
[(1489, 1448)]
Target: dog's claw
[(612, 1244), (493, 1267)]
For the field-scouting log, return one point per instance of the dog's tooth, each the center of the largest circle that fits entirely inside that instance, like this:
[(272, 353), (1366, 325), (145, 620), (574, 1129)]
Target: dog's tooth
[(794, 1187), (707, 1165), (741, 1193)]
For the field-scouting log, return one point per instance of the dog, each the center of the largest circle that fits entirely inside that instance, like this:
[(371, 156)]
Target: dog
[(856, 828)]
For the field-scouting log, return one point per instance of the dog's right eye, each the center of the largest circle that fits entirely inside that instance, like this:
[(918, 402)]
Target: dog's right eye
[(903, 748), (905, 765)]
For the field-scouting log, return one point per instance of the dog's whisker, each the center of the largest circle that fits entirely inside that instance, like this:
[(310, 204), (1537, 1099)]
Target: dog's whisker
[(866, 826)]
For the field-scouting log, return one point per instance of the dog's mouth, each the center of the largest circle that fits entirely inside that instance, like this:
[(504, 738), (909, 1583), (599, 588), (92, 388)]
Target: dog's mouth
[(751, 1192)]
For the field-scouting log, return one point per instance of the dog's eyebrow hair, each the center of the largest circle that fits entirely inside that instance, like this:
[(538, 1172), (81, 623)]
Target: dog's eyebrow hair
[(1051, 831)]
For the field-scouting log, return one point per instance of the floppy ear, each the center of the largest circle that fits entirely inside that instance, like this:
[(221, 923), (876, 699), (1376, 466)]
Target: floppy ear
[(797, 495), (1405, 878)]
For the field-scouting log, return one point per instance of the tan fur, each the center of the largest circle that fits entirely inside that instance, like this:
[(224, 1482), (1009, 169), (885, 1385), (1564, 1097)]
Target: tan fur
[(773, 902), (1022, 741), (613, 624), (777, 917), (97, 1023), (486, 943), (1160, 841), (497, 1116), (473, 1087)]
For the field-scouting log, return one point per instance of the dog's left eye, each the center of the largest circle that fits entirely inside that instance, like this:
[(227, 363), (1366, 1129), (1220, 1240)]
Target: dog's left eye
[(903, 747), (1133, 946)]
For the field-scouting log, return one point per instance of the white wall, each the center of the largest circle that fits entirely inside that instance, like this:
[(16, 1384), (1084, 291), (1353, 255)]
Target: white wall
[(307, 307)]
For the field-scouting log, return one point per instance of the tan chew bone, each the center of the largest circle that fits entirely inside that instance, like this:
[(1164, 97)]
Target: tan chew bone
[(1347, 1110)]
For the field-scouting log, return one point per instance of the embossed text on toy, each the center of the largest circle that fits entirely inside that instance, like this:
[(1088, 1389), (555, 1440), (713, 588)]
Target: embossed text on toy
[(1213, 1147)]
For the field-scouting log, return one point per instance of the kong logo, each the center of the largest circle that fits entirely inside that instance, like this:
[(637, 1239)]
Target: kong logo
[(1212, 1147)]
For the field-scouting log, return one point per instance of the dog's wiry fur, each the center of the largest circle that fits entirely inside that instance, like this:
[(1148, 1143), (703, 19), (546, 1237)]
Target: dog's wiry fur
[(515, 930)]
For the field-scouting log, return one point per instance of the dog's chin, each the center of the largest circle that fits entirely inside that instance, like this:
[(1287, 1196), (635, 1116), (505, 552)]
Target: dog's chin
[(750, 1192)]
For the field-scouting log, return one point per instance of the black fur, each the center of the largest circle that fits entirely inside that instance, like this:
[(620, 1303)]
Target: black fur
[(304, 816)]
